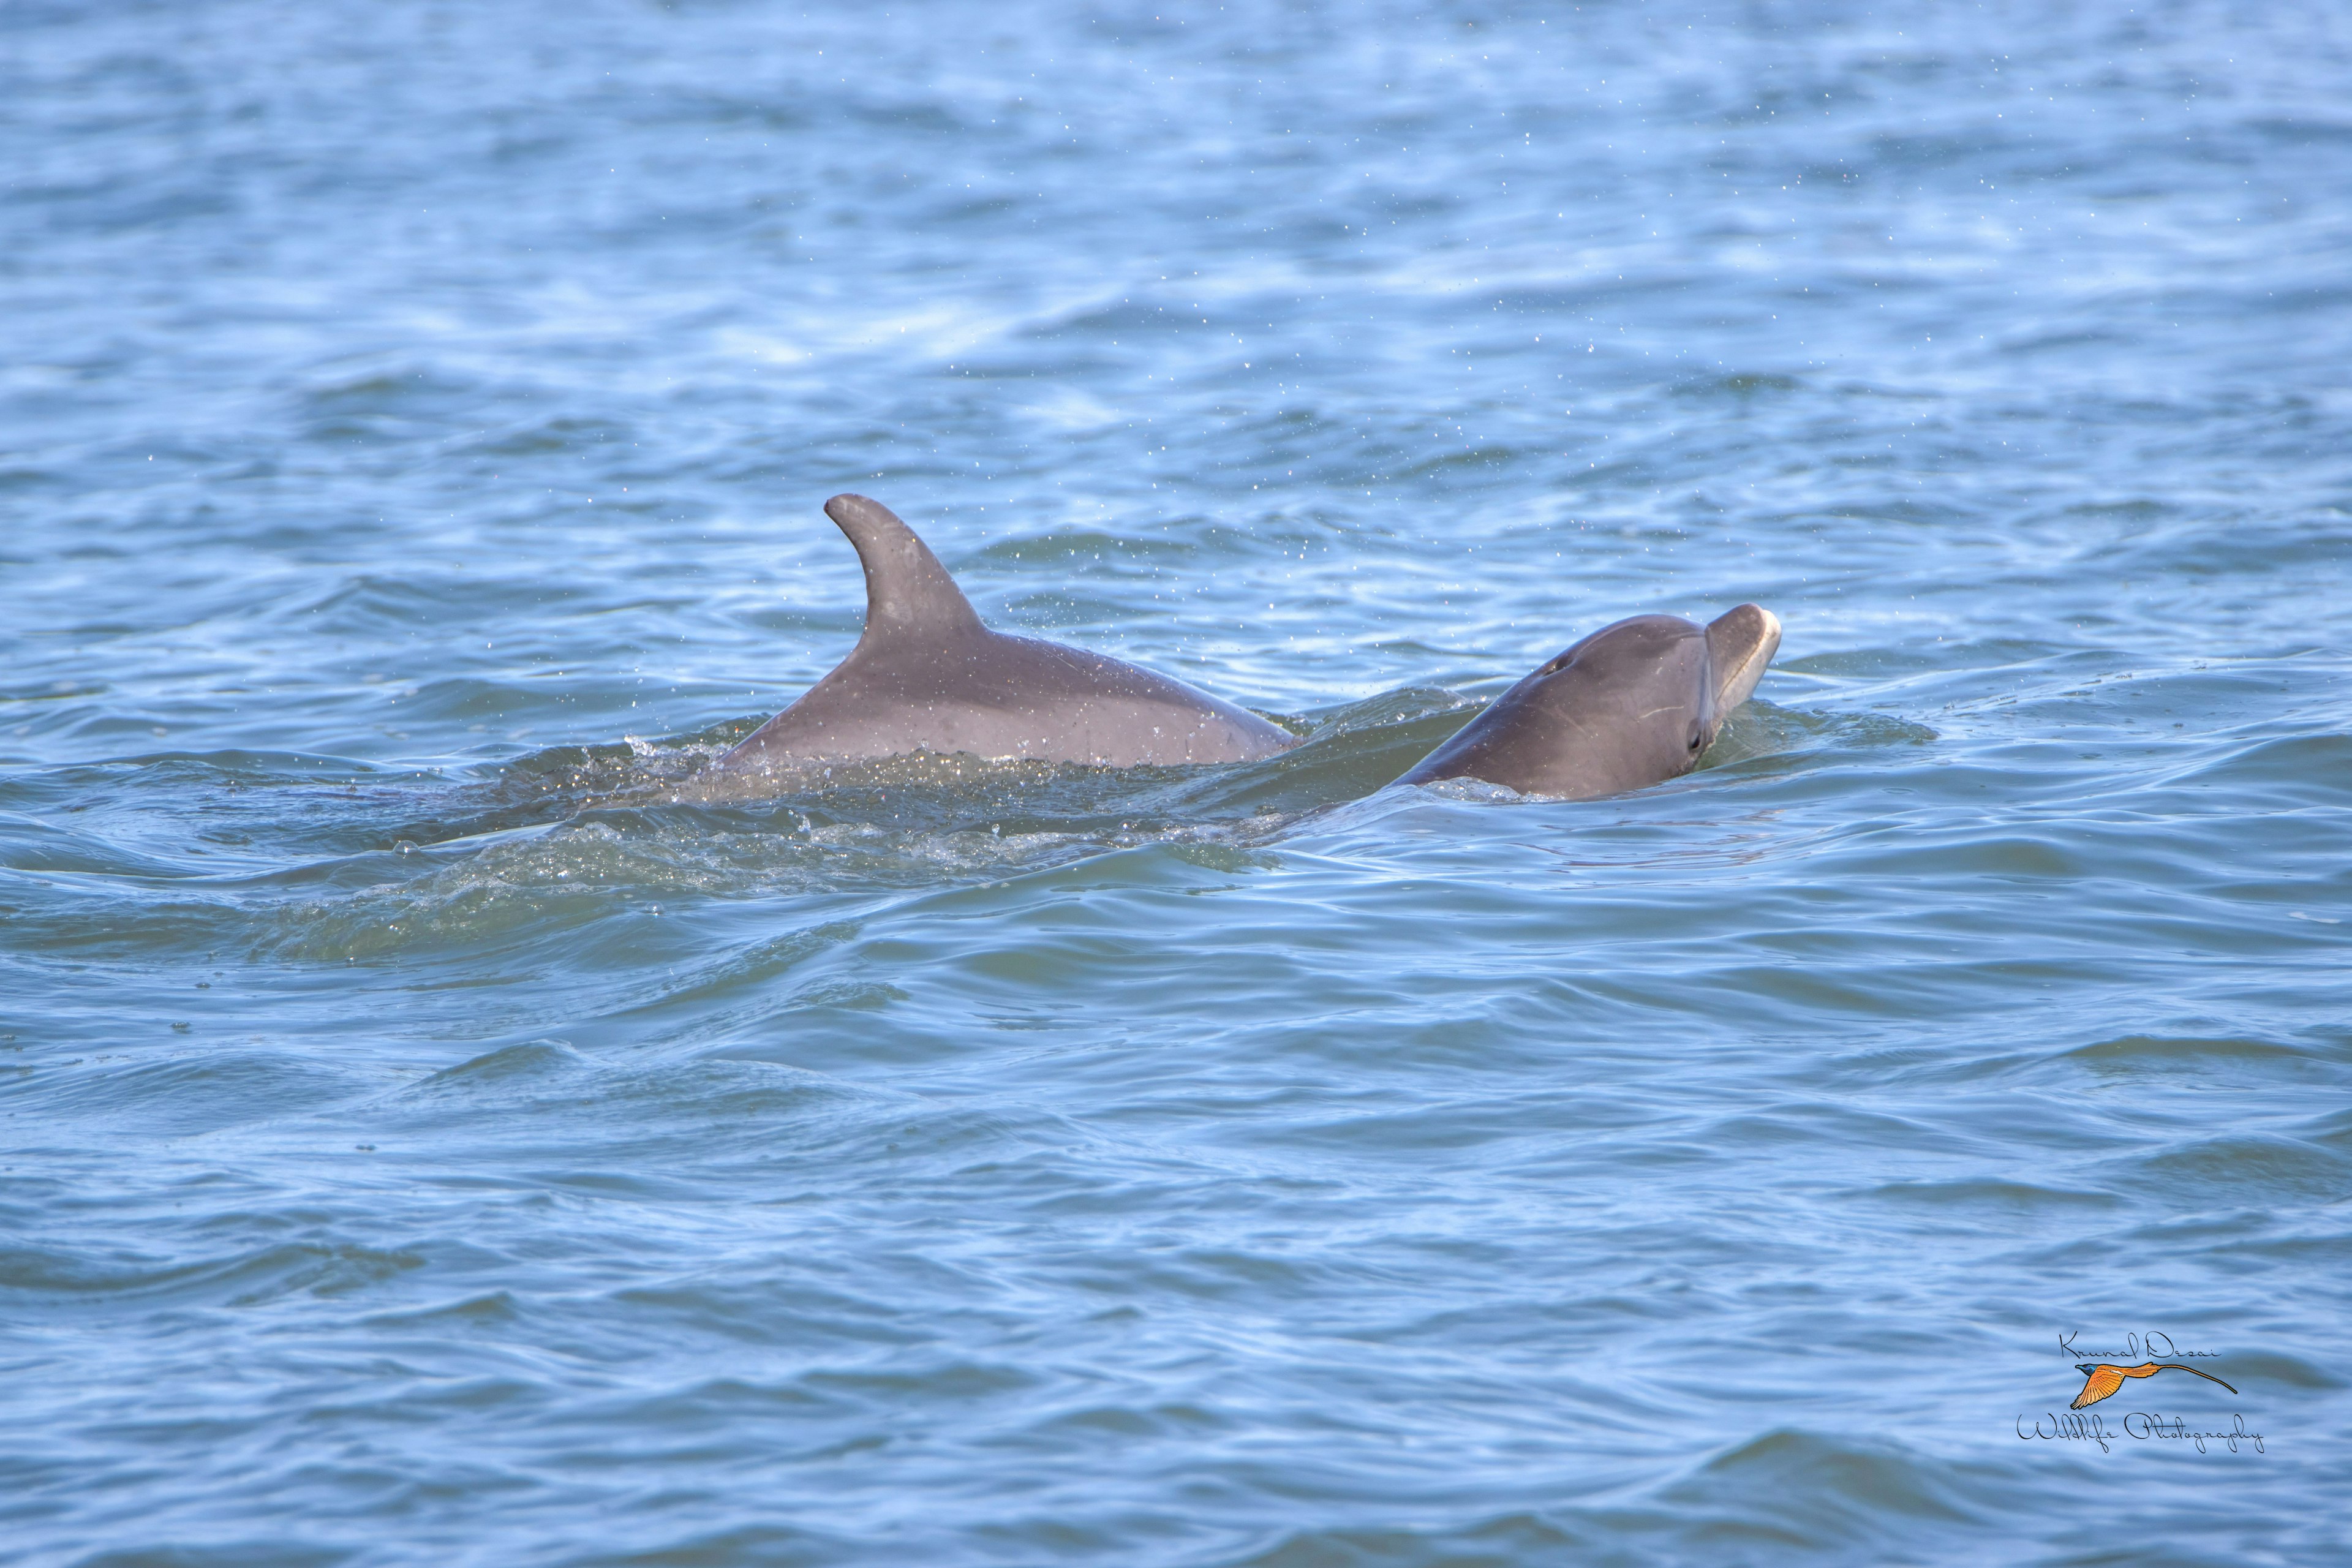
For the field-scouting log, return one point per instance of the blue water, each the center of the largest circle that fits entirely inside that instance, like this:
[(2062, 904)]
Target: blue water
[(431, 1134)]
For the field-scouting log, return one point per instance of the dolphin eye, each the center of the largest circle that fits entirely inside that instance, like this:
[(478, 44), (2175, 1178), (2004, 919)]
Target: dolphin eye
[(1696, 737)]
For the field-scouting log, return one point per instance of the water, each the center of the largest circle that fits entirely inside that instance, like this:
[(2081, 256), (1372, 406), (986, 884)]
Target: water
[(431, 1135)]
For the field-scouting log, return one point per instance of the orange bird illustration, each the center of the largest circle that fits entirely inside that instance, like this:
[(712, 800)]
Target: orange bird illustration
[(2105, 1379)]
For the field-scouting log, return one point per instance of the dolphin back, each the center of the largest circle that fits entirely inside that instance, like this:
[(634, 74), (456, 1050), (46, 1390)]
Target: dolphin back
[(928, 676)]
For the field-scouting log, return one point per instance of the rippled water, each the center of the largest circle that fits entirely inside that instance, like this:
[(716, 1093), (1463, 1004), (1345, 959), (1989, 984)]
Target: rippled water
[(435, 1134)]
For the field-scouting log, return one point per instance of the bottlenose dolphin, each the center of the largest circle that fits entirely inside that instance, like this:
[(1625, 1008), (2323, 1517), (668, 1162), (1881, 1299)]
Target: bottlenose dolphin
[(1635, 703), (926, 675)]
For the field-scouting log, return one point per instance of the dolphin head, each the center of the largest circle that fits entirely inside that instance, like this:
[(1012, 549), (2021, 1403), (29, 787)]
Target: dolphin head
[(1633, 704)]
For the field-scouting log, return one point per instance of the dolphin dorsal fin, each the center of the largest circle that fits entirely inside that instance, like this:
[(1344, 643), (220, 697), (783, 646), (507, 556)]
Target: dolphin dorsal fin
[(908, 595)]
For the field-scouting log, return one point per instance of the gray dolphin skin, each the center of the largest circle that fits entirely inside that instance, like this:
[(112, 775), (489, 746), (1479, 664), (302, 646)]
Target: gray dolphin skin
[(926, 675), (1634, 704)]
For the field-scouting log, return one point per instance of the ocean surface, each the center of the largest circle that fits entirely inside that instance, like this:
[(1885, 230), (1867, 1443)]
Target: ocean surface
[(431, 1134)]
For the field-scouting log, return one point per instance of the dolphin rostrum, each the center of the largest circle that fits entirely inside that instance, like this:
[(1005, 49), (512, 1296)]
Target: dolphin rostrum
[(926, 675), (1635, 703)]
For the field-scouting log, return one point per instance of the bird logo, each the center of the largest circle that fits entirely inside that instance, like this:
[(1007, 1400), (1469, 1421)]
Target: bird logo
[(2103, 1378)]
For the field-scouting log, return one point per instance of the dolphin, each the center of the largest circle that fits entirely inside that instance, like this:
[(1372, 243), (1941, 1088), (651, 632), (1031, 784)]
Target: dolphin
[(926, 675), (1634, 703)]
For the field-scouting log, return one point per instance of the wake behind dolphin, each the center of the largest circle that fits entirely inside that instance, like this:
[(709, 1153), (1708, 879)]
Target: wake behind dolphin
[(1633, 704)]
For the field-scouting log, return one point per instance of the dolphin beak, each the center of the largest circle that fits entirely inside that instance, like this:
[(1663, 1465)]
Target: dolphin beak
[(1740, 643)]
